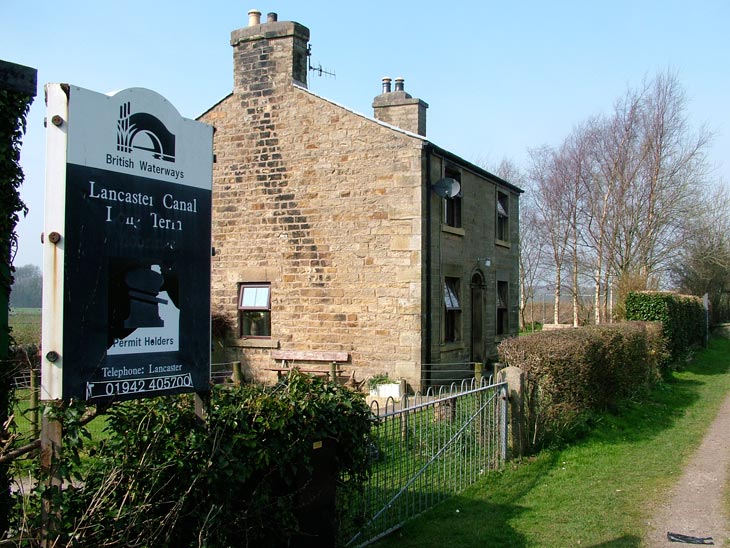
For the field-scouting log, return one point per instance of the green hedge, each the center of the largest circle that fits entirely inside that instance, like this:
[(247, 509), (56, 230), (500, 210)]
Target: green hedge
[(162, 479), (683, 319), (570, 373)]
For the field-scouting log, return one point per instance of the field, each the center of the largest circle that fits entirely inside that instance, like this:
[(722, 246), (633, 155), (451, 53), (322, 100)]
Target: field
[(25, 324)]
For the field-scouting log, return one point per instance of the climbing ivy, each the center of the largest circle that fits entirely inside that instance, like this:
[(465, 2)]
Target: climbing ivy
[(13, 111)]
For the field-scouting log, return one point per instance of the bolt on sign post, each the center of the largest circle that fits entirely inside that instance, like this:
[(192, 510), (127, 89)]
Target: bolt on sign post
[(127, 246)]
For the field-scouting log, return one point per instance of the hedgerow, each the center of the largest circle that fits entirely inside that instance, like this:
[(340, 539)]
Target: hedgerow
[(571, 373), (163, 479), (683, 319)]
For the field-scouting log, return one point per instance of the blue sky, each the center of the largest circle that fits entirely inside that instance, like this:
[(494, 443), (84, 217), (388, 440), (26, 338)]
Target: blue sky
[(499, 77)]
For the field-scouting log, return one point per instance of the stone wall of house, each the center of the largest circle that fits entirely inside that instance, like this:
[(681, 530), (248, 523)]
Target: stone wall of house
[(463, 253), (325, 205)]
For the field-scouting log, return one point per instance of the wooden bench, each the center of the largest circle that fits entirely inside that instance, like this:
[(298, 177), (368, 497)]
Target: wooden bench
[(287, 357)]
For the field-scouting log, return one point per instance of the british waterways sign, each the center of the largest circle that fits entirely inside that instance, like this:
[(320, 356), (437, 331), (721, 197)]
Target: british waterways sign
[(126, 296)]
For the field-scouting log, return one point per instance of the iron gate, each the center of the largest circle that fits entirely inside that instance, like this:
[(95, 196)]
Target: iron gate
[(430, 449)]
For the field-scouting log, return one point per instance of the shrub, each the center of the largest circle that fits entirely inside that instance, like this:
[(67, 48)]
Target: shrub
[(380, 378), (570, 373), (683, 319), (531, 327), (163, 479), (221, 326)]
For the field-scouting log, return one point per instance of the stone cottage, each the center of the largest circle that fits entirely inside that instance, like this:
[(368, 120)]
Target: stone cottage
[(350, 238)]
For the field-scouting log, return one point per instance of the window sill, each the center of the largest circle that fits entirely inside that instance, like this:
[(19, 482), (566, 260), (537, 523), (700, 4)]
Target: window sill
[(503, 243), (256, 343), (453, 230)]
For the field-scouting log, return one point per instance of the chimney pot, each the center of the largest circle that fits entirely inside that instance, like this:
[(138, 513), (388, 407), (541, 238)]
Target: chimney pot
[(272, 17), (254, 18), (399, 108)]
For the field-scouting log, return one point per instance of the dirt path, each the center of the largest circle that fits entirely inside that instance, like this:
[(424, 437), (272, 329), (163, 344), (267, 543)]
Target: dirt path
[(696, 504)]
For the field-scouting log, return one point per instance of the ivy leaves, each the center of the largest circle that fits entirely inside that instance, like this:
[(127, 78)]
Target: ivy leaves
[(13, 111)]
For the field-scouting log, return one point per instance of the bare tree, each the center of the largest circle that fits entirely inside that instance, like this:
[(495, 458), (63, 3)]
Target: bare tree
[(664, 184), (554, 211), (703, 265), (615, 196), (612, 147), (27, 285), (576, 163), (532, 249)]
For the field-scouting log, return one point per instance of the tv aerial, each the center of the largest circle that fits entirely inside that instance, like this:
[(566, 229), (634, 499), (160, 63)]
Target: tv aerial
[(447, 187), (318, 69)]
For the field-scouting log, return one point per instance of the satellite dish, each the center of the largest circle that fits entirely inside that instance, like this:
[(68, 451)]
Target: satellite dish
[(447, 187)]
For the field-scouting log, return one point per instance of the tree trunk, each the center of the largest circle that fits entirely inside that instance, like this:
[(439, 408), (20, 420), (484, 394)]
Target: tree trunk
[(556, 303), (597, 297)]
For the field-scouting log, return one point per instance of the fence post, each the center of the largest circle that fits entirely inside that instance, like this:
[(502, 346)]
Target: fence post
[(237, 375), (51, 441), (496, 368), (515, 379), (478, 371), (34, 407), (202, 404), (503, 427)]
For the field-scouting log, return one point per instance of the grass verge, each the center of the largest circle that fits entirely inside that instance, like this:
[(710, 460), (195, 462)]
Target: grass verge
[(25, 324), (599, 492)]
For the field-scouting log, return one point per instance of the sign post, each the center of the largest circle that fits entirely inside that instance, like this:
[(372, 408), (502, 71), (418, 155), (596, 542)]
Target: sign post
[(127, 247), (126, 259)]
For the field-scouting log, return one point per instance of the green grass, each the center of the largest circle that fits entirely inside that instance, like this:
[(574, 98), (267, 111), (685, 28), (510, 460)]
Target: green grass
[(23, 413), (599, 492), (23, 417), (25, 325)]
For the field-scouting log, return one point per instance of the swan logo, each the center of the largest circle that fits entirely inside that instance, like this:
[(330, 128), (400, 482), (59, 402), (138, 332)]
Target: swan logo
[(143, 131)]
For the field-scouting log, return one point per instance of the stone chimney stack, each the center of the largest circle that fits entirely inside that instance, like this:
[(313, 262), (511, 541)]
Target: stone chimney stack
[(399, 109), (269, 55)]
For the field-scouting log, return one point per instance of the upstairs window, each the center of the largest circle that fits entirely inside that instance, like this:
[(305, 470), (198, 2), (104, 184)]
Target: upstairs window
[(452, 206), (502, 217), (452, 306), (502, 308), (254, 310)]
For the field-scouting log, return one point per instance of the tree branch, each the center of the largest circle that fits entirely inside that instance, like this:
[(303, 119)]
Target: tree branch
[(10, 456)]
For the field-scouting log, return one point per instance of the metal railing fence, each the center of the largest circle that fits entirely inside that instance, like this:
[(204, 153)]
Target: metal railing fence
[(446, 374), (429, 449)]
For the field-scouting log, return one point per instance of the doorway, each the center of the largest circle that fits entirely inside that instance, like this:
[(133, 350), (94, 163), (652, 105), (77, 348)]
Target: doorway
[(477, 318)]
